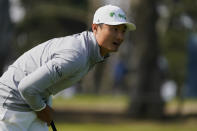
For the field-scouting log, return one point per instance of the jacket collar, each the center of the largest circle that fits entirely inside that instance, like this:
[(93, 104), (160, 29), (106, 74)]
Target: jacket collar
[(95, 54)]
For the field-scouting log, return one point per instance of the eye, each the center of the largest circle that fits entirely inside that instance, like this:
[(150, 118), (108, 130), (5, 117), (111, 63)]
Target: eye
[(123, 31), (115, 29)]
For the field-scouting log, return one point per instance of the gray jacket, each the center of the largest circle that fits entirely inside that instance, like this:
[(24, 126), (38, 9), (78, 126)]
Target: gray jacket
[(46, 70)]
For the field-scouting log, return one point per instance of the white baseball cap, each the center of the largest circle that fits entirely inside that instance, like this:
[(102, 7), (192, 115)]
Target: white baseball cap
[(112, 15)]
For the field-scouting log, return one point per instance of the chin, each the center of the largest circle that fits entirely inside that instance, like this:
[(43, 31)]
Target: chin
[(115, 50)]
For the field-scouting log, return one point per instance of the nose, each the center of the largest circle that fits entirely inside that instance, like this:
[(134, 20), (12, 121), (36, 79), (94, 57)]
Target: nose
[(120, 36)]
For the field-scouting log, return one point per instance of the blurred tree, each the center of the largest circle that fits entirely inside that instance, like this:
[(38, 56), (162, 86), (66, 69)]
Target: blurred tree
[(181, 23), (148, 77), (46, 19), (174, 41), (5, 32)]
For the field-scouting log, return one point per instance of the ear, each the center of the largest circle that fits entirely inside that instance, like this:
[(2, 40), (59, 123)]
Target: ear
[(94, 27)]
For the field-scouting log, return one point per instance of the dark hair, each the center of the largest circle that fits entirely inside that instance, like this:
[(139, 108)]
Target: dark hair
[(100, 25)]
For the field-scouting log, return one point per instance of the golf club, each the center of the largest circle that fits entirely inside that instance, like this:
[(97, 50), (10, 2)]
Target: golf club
[(53, 126)]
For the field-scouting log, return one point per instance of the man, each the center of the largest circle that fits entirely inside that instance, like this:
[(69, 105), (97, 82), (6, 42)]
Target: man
[(25, 88)]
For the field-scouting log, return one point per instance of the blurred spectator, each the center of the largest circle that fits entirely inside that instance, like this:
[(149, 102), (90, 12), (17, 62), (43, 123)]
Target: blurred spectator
[(120, 72), (168, 90), (191, 89)]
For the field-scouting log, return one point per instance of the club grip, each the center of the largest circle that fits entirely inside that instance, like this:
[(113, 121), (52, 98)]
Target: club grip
[(53, 126)]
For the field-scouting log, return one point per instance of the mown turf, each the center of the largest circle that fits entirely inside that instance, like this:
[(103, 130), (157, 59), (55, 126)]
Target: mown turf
[(189, 125), (120, 103), (92, 101)]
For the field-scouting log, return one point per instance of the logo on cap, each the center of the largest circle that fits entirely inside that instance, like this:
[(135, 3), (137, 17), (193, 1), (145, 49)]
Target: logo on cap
[(112, 14), (122, 16)]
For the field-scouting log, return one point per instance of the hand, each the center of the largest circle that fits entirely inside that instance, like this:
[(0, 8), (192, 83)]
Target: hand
[(45, 114)]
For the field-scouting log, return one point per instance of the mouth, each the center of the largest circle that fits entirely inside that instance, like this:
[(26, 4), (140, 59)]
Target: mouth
[(115, 43)]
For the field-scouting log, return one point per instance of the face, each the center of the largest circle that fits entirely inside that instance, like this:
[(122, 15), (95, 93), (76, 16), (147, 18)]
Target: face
[(109, 37)]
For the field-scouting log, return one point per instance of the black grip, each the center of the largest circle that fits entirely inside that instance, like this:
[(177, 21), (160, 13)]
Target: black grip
[(53, 126)]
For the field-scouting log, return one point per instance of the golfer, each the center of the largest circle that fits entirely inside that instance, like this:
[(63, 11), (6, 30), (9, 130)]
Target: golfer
[(50, 67)]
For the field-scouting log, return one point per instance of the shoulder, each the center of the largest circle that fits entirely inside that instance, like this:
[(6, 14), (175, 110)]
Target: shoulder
[(72, 42), (68, 62), (71, 47), (70, 57)]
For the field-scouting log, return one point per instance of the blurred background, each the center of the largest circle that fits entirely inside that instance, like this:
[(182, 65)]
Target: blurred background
[(150, 84)]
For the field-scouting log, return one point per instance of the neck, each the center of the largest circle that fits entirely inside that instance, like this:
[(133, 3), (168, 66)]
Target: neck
[(103, 51)]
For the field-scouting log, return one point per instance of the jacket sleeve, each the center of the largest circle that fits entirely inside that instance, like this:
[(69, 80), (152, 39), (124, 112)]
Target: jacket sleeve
[(63, 64)]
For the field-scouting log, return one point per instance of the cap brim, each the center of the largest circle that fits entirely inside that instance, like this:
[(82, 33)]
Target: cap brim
[(130, 26)]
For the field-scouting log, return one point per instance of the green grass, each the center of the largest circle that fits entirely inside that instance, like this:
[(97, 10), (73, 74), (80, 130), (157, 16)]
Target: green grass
[(120, 103), (117, 103), (189, 125), (92, 101)]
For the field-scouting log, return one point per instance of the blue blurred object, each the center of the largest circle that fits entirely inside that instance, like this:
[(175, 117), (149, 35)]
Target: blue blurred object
[(120, 71), (191, 88)]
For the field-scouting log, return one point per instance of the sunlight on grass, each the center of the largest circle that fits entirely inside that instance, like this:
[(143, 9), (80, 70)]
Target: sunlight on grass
[(92, 101), (116, 103), (132, 126), (120, 103), (186, 106)]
